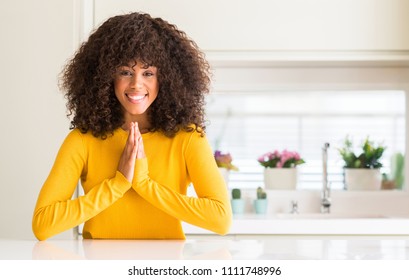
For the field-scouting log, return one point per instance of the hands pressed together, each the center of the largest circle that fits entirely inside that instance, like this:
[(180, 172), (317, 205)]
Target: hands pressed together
[(133, 150)]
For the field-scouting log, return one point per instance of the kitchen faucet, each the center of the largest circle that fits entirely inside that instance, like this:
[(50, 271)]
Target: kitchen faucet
[(294, 207), (325, 196)]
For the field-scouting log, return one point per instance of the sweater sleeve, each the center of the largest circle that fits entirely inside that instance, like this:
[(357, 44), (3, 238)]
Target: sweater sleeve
[(55, 210), (211, 210)]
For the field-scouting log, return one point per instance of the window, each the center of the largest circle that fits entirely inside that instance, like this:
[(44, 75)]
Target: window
[(248, 124)]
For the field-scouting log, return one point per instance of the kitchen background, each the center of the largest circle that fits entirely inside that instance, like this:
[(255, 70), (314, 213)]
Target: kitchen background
[(287, 74)]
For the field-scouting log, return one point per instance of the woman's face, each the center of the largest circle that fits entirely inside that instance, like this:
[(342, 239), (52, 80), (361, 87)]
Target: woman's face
[(136, 87)]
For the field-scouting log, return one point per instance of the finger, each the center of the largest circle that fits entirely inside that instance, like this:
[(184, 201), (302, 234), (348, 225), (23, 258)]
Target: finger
[(133, 141), (130, 141), (141, 150), (138, 139), (137, 131), (131, 134)]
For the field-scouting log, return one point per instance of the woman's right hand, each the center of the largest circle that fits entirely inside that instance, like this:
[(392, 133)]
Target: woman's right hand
[(127, 161)]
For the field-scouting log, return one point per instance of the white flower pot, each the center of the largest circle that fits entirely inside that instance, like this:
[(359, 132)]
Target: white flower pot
[(280, 178), (357, 179), (225, 174)]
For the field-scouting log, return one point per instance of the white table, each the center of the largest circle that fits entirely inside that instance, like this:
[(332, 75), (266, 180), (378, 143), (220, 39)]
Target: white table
[(214, 248)]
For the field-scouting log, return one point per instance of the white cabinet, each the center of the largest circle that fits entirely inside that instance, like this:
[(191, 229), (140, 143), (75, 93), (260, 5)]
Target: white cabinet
[(280, 25)]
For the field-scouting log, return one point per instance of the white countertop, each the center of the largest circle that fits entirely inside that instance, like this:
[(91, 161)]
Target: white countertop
[(313, 224), (214, 248)]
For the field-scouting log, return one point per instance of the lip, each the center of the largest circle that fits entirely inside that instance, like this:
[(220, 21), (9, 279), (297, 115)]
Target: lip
[(135, 98)]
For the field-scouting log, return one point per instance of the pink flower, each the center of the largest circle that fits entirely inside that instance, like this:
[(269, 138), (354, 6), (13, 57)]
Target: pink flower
[(224, 160), (285, 159)]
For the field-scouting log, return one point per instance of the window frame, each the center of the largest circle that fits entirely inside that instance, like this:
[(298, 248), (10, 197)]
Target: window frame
[(248, 76)]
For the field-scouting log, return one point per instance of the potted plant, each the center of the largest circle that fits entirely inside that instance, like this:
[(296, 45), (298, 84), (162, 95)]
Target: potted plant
[(224, 162), (260, 204), (280, 169), (237, 203), (394, 180), (362, 165)]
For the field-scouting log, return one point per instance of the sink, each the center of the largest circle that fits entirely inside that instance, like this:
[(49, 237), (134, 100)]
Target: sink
[(328, 216)]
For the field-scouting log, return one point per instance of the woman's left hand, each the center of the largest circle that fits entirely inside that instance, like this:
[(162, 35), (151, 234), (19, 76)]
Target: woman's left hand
[(126, 163), (140, 153)]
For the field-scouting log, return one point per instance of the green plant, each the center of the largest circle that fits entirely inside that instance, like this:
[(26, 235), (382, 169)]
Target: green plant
[(261, 194), (396, 174), (397, 169), (368, 156), (236, 194)]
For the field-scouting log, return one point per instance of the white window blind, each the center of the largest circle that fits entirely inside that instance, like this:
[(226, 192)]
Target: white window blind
[(249, 124)]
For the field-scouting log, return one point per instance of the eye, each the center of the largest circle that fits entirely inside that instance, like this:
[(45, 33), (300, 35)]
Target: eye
[(148, 74), (125, 73), (150, 71)]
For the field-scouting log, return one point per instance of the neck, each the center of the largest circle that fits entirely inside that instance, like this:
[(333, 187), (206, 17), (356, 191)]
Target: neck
[(142, 121)]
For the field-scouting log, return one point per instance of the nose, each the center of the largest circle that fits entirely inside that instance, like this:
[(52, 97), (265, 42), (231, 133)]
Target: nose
[(136, 82)]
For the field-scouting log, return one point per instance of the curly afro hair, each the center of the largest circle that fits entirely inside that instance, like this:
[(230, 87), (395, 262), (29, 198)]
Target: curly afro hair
[(183, 76)]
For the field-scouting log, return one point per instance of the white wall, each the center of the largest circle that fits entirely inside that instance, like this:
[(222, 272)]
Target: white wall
[(36, 39), (279, 25)]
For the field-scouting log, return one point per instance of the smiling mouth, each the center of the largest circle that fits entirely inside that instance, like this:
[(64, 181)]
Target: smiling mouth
[(136, 98)]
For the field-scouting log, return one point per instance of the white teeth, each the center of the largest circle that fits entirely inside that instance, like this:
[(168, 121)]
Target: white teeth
[(136, 97)]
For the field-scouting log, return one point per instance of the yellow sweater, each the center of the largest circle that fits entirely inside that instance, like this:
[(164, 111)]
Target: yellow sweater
[(151, 207)]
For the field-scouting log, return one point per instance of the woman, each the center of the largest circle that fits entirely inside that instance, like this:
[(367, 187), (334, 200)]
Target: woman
[(136, 91)]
